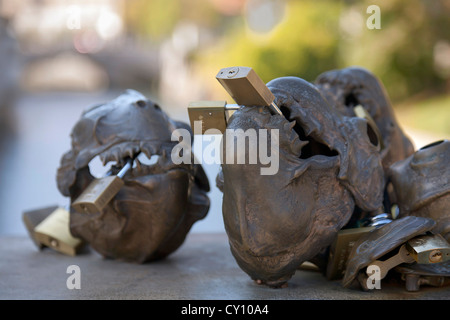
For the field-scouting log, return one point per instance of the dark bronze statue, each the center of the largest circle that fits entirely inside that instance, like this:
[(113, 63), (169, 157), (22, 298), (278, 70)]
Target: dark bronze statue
[(346, 88), (155, 209), (333, 169), (328, 165), (421, 185)]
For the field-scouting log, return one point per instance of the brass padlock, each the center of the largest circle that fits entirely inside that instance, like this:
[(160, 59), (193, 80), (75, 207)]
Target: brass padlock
[(343, 244), (33, 218), (247, 88), (425, 249), (430, 248), (212, 114), (100, 191), (54, 232), (340, 250)]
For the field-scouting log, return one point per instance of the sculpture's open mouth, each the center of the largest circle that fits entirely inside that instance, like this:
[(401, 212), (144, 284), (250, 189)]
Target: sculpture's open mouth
[(314, 144), (148, 158)]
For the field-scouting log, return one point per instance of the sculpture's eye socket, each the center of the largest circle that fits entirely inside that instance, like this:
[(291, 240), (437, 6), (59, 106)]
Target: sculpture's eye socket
[(141, 103), (351, 101), (373, 137)]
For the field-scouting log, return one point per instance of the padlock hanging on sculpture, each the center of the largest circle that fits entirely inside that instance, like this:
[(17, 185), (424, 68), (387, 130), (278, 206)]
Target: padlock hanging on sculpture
[(153, 211)]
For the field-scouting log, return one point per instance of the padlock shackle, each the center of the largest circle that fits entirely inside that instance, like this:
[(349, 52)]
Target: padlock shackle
[(125, 168)]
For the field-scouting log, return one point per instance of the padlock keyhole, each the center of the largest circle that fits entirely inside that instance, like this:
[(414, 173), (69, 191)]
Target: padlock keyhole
[(435, 256)]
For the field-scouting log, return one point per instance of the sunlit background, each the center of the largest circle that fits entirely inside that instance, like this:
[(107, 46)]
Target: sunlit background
[(59, 57)]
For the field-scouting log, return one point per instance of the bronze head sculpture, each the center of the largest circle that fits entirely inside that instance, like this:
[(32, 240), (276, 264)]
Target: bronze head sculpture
[(346, 88), (421, 185), (152, 213), (328, 165)]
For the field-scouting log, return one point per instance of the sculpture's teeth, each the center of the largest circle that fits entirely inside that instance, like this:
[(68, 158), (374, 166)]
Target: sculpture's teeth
[(297, 146), (129, 151), (292, 124), (149, 150), (139, 168), (110, 155)]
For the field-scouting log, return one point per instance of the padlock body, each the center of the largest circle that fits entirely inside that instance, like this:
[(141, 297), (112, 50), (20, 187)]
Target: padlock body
[(340, 250), (54, 232), (430, 248), (97, 195), (245, 86), (210, 113), (33, 218)]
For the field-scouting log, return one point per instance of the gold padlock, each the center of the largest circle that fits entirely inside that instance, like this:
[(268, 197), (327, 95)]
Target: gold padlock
[(54, 232), (212, 114), (33, 218), (430, 248), (247, 88), (100, 192), (344, 242), (340, 250)]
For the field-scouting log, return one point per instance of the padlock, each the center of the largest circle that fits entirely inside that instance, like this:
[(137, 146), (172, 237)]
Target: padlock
[(424, 249), (54, 232), (212, 114), (33, 218), (345, 240), (340, 250), (247, 88), (430, 248), (100, 191)]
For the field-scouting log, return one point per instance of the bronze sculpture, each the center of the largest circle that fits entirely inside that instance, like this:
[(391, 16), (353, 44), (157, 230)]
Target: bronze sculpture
[(328, 165), (349, 87), (332, 173), (155, 209), (421, 185)]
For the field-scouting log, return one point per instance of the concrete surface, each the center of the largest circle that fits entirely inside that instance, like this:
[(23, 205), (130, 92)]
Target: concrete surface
[(203, 268)]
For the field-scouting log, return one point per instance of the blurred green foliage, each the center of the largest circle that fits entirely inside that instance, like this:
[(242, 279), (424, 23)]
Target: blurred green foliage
[(313, 37), (303, 44), (429, 115)]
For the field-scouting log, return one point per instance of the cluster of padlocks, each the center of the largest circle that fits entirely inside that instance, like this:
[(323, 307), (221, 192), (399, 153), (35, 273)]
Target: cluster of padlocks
[(351, 196)]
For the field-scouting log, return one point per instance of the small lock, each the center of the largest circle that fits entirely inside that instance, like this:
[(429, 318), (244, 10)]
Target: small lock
[(341, 249), (100, 192), (33, 218), (212, 114), (247, 88), (342, 246), (428, 249), (54, 232)]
